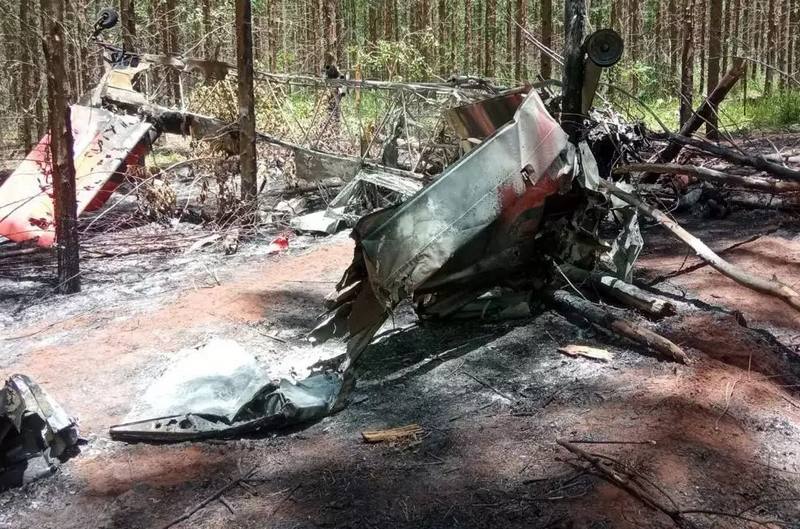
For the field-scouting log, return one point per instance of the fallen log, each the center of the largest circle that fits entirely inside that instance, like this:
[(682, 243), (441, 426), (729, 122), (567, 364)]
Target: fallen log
[(755, 161), (785, 157), (627, 294), (765, 286), (567, 304), (705, 110), (712, 175)]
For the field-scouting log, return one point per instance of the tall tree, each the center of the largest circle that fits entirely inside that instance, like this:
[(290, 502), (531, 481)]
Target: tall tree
[(490, 29), (26, 89), (61, 148), (127, 14), (572, 80), (673, 30), (467, 36), (771, 52), (546, 67), (714, 52), (687, 62), (247, 116), (520, 16)]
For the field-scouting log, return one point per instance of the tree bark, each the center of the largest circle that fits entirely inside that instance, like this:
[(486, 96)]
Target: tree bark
[(572, 82), (546, 67), (61, 149), (467, 36), (127, 13), (625, 293), (490, 31), (208, 42), (519, 43), (770, 55), (714, 52), (696, 120), (247, 117), (26, 88)]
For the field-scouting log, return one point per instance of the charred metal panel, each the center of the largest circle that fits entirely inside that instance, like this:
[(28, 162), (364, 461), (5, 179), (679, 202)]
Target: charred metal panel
[(488, 195), (105, 143), (36, 434), (481, 119)]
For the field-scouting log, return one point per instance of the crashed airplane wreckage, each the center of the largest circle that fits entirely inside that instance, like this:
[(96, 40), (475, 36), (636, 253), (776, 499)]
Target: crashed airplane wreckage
[(116, 124), (519, 203), (36, 434)]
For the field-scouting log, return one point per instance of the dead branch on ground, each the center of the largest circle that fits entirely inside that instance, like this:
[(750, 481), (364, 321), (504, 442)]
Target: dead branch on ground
[(770, 287), (567, 304), (712, 175), (756, 161), (623, 292), (636, 485), (217, 495)]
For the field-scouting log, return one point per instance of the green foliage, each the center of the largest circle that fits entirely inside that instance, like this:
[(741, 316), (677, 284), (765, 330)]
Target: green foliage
[(398, 60), (764, 112), (650, 80), (777, 110)]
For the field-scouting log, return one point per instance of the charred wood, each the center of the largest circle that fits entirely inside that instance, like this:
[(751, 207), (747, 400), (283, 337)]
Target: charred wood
[(712, 175), (570, 305)]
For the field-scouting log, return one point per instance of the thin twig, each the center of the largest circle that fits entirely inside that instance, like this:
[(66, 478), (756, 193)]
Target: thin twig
[(218, 494)]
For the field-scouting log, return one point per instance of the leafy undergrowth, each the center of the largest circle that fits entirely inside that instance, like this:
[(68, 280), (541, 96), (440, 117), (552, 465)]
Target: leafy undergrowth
[(780, 110)]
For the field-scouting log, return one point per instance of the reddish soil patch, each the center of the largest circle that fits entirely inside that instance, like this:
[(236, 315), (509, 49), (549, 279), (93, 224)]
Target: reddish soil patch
[(725, 435)]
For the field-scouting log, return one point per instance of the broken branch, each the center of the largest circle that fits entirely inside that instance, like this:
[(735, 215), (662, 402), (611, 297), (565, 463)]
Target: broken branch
[(759, 284), (217, 495), (705, 111), (756, 161), (626, 484), (623, 292), (564, 302), (392, 435), (712, 175)]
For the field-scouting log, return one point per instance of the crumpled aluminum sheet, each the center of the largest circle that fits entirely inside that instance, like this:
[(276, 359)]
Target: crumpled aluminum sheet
[(219, 391), (418, 239), (36, 434), (475, 220)]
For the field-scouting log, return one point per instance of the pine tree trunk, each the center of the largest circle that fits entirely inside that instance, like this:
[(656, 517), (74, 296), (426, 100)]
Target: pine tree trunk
[(490, 30), (208, 42), (466, 64), (26, 89), (727, 25), (770, 55), (61, 148), (674, 33), (510, 32), (444, 35), (247, 118), (702, 40), (519, 44), (714, 52), (127, 13), (687, 62), (546, 66)]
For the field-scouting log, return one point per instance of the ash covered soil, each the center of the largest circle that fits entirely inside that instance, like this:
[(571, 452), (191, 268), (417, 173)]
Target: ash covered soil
[(718, 435)]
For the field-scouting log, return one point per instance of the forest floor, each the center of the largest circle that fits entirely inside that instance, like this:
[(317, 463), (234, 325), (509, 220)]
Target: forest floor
[(725, 432)]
